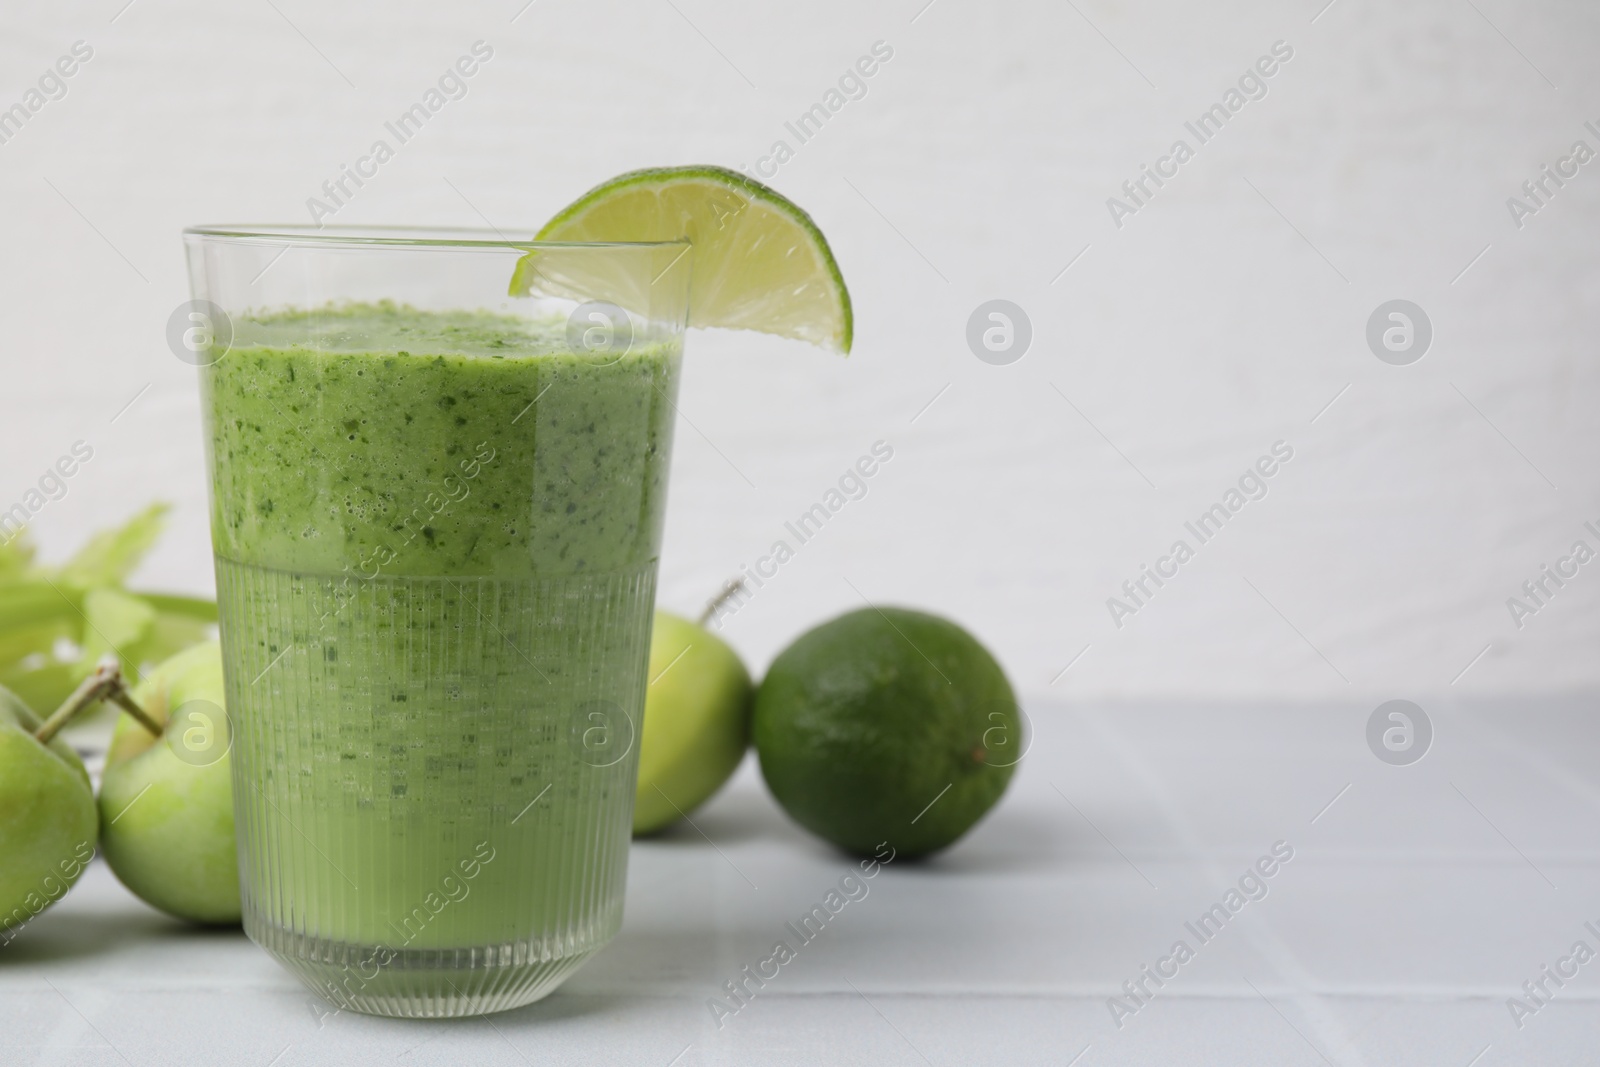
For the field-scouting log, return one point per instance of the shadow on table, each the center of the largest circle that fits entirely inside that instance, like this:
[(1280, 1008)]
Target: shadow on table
[(746, 818), (565, 1004), (53, 936), (1016, 841), (651, 957), (1011, 839)]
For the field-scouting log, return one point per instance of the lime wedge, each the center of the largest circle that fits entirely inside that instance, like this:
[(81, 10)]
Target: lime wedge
[(759, 263)]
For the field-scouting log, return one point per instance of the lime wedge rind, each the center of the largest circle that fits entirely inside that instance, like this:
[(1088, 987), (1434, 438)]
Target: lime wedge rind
[(760, 261)]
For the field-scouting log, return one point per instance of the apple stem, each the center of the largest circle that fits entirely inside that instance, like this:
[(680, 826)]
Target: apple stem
[(104, 684), (120, 696), (729, 589)]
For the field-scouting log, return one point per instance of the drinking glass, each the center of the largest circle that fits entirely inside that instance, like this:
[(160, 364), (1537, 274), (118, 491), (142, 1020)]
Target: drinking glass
[(436, 509)]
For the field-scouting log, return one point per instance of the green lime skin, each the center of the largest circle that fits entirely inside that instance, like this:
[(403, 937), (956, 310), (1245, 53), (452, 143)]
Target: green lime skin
[(698, 202), (887, 725)]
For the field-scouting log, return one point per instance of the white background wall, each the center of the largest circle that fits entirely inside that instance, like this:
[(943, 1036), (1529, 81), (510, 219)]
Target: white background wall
[(1221, 318)]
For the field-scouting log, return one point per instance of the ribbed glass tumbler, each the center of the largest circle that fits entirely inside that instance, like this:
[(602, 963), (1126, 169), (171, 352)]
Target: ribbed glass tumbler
[(436, 511)]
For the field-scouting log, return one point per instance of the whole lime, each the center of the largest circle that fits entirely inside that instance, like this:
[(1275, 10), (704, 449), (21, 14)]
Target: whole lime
[(887, 725)]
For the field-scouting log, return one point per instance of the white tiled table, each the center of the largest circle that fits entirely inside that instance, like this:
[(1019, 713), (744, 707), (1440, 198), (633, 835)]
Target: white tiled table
[(1413, 907)]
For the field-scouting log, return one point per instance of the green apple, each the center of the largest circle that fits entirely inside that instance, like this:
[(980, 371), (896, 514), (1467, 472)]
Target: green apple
[(48, 821), (166, 804), (696, 721)]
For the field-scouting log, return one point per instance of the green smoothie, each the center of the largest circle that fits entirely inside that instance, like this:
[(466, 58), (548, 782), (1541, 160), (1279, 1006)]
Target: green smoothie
[(436, 537)]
